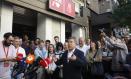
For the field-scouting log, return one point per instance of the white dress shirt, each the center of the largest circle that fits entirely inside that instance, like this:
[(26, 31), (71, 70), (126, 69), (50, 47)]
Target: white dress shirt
[(20, 50), (84, 49), (70, 53)]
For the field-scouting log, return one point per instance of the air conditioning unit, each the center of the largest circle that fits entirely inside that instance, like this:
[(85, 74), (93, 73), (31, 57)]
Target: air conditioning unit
[(108, 10), (77, 8)]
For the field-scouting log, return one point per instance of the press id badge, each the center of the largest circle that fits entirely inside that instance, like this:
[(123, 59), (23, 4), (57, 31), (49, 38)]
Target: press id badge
[(6, 64)]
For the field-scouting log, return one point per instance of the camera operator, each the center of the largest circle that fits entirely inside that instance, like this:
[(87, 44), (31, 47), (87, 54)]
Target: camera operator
[(119, 50)]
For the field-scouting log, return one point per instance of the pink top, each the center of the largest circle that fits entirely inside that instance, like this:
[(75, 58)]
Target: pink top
[(5, 71)]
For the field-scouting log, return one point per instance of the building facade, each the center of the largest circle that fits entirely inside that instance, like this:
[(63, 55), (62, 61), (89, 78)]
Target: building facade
[(44, 18), (101, 13), (101, 6)]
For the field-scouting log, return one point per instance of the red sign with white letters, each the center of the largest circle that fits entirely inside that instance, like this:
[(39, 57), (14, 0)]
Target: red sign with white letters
[(66, 7)]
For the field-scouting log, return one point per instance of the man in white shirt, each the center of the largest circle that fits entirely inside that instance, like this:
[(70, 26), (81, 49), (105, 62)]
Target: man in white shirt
[(7, 56), (82, 46), (18, 48), (72, 60), (70, 54)]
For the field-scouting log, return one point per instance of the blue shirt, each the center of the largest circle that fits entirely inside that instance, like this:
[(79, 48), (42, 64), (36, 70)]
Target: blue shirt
[(40, 53)]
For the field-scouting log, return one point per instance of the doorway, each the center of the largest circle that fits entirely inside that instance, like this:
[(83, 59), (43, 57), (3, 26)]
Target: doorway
[(24, 22)]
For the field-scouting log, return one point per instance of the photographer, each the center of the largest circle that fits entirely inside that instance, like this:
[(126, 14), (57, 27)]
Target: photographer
[(119, 50)]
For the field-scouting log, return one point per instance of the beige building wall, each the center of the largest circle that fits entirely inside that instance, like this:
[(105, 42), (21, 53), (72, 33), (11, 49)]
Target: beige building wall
[(56, 28), (78, 31), (94, 5), (6, 18), (49, 27), (41, 6), (44, 27)]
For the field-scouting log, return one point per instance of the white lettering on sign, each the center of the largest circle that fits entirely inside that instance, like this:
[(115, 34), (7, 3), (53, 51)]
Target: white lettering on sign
[(57, 3)]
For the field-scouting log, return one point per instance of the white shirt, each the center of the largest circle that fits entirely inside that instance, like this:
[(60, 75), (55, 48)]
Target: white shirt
[(5, 72), (84, 49), (20, 50), (52, 66), (70, 53)]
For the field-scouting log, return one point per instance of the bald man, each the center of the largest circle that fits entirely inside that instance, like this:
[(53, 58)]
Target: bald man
[(82, 46)]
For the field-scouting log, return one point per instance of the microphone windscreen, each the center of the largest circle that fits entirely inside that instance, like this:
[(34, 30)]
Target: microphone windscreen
[(30, 59), (44, 63), (19, 57), (48, 60)]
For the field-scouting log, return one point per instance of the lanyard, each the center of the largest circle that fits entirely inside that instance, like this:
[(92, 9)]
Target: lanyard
[(6, 53), (17, 52)]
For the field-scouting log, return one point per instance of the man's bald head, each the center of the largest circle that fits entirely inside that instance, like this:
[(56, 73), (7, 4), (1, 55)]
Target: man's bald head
[(81, 41)]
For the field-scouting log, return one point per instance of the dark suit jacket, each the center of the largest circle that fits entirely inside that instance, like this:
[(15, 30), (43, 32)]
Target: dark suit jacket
[(72, 69), (128, 59)]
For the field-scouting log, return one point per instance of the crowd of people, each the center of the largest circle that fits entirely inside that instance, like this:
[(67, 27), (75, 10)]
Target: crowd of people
[(107, 58)]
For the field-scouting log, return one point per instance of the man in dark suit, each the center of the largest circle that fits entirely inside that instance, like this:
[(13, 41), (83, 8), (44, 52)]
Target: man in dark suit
[(72, 60)]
